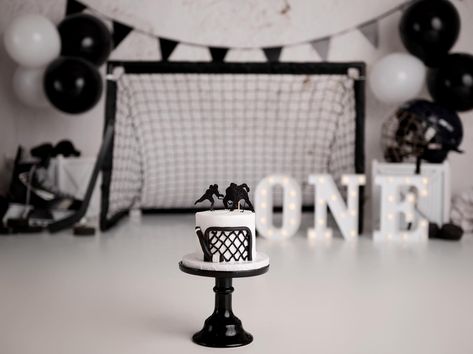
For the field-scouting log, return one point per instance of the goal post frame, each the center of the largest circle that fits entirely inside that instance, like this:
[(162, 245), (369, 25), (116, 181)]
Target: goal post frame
[(157, 67)]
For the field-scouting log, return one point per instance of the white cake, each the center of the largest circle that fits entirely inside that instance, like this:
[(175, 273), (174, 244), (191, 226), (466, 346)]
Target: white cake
[(229, 235)]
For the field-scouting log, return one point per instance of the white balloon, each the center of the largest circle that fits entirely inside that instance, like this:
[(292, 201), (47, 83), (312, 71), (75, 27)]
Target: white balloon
[(28, 87), (32, 40), (397, 77)]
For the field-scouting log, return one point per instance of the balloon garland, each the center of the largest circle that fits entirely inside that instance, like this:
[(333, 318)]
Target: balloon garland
[(58, 66), (32, 41), (428, 30), (28, 86), (397, 77), (451, 84), (85, 36), (73, 85)]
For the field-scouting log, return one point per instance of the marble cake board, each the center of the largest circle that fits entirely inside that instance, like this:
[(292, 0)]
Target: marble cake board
[(196, 261)]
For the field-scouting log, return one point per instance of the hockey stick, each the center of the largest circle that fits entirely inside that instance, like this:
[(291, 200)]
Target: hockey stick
[(69, 221)]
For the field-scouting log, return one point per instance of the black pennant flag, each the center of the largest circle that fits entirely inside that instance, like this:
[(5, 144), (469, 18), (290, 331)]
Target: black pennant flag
[(272, 54), (218, 54), (120, 31), (167, 46), (73, 7)]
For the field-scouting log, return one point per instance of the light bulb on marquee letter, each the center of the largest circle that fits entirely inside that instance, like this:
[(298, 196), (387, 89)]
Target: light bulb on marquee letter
[(291, 213), (327, 195), (392, 206)]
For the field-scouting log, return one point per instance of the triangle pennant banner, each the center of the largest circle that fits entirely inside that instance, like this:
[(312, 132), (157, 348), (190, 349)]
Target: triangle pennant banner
[(73, 7), (120, 31), (371, 32), (167, 47), (272, 54), (218, 54), (322, 46)]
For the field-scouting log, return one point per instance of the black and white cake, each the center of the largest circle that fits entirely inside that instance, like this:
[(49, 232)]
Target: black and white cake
[(227, 236)]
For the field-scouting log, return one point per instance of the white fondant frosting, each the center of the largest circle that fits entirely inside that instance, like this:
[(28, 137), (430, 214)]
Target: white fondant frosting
[(196, 261), (227, 218)]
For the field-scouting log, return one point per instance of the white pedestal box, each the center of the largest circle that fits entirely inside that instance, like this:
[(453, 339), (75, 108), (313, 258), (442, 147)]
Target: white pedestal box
[(435, 206)]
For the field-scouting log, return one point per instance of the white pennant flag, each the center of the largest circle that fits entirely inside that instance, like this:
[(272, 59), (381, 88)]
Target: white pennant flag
[(322, 46), (371, 32)]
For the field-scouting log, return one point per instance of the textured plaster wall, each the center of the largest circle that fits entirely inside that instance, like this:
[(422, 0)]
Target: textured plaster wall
[(216, 22)]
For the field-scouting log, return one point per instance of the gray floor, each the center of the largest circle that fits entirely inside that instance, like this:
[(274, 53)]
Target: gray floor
[(122, 292)]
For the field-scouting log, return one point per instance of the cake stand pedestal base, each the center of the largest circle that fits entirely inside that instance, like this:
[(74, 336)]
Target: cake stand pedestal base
[(223, 329)]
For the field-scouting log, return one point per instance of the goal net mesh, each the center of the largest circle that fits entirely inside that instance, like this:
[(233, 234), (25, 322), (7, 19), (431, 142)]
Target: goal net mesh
[(231, 244), (176, 133)]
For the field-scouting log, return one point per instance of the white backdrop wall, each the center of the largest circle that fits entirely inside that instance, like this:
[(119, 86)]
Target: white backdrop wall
[(250, 23)]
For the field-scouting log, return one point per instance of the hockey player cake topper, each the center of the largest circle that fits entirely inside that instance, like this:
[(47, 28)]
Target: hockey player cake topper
[(234, 194), (208, 195)]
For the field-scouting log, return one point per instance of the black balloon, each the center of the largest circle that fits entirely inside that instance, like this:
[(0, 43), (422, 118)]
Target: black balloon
[(429, 29), (85, 36), (451, 84), (72, 85)]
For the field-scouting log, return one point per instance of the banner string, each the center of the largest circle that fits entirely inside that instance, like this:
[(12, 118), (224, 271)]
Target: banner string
[(327, 37)]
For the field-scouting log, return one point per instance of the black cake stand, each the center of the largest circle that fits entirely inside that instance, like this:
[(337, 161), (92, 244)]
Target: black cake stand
[(223, 329)]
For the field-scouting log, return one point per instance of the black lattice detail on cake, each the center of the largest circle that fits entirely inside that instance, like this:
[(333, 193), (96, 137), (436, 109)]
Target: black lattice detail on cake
[(230, 243)]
